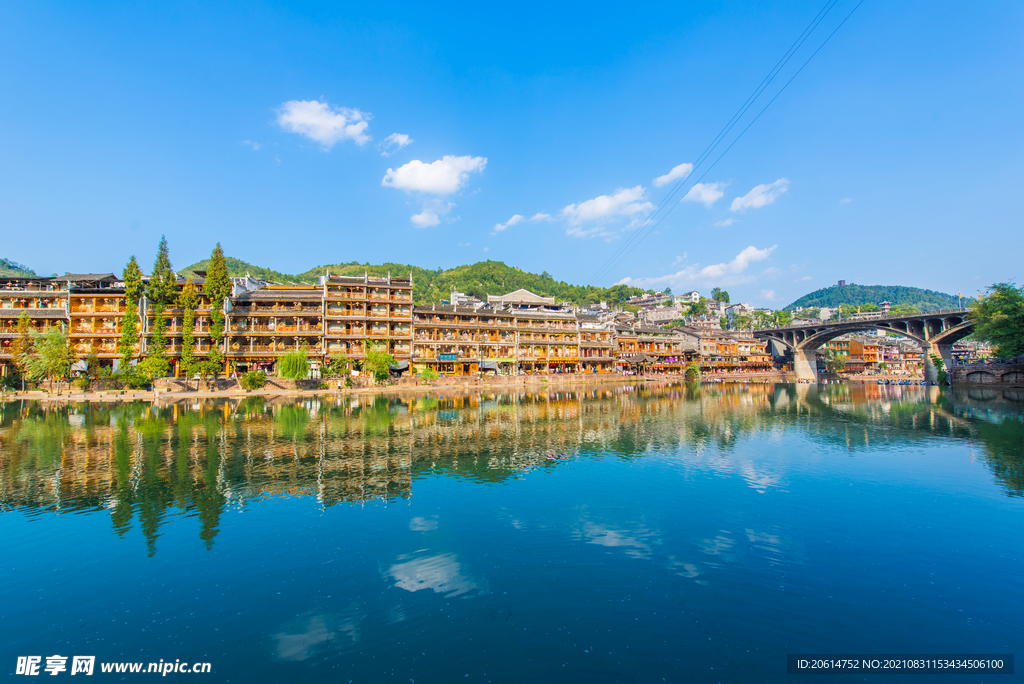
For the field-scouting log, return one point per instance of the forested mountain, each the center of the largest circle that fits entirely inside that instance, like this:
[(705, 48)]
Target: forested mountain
[(11, 268), (434, 285), (834, 296)]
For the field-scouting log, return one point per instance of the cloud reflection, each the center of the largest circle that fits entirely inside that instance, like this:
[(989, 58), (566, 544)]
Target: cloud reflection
[(311, 633), (441, 573)]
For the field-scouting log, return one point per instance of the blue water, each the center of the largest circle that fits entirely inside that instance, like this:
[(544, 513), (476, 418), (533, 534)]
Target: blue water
[(609, 535)]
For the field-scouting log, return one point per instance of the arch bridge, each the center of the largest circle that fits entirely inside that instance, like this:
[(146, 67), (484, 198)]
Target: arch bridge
[(935, 333)]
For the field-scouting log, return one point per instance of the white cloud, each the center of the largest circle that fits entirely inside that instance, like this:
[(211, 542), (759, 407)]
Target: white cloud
[(442, 177), (323, 123), (486, 248), (845, 200), (393, 143), (769, 295), (678, 172), (541, 217), (724, 274), (624, 202), (705, 193), (760, 196), (725, 223), (802, 280), (431, 214), (254, 145), (679, 259), (464, 244), (498, 227)]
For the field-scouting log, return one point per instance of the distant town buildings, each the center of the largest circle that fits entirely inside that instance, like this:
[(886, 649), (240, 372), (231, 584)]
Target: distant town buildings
[(516, 332)]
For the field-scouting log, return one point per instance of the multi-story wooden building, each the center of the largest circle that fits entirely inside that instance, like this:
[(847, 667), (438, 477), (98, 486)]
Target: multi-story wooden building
[(364, 312), (597, 345), (548, 342), (271, 321), (44, 301), (96, 308), (458, 340)]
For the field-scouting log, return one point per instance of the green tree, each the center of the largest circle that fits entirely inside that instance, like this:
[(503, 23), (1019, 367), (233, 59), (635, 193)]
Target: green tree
[(51, 356), (940, 368), (692, 373), (998, 317), (293, 365), (132, 277), (153, 367), (160, 292), (700, 308), (92, 362), (742, 322), (904, 310), (22, 347), (378, 362), (720, 295), (188, 300), (337, 366), (217, 287), (834, 361)]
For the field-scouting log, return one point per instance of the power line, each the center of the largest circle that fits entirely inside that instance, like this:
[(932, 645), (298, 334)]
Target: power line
[(642, 235), (797, 44)]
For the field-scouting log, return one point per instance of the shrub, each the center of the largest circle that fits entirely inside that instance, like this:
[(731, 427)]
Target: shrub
[(253, 380), (430, 374), (153, 367), (132, 380), (82, 382)]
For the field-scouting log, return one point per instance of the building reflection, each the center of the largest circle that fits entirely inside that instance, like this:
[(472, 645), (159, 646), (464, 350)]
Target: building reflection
[(141, 462)]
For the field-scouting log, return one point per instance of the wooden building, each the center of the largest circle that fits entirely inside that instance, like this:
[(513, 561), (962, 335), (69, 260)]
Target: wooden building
[(459, 340), (45, 302), (548, 342), (597, 345), (271, 321), (363, 312)]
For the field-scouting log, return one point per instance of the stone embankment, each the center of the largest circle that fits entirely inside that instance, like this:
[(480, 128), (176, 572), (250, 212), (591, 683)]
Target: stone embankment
[(988, 374), (172, 388)]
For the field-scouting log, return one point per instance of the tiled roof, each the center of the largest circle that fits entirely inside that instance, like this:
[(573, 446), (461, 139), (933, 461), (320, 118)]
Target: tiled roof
[(264, 295), (55, 313)]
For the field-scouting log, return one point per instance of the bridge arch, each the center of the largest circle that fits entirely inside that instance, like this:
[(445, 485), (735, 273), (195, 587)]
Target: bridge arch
[(935, 333)]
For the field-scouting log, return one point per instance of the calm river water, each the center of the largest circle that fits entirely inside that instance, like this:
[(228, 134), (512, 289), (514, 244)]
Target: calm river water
[(612, 534)]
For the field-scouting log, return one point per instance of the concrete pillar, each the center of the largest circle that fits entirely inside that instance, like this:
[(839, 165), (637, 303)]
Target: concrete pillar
[(805, 364)]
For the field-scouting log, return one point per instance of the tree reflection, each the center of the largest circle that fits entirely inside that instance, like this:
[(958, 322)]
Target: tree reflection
[(139, 462)]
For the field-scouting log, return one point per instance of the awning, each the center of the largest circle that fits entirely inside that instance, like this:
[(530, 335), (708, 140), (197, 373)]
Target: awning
[(638, 359), (401, 367), (489, 365)]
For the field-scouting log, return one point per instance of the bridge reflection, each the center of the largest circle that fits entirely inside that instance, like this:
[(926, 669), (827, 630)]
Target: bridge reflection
[(140, 463)]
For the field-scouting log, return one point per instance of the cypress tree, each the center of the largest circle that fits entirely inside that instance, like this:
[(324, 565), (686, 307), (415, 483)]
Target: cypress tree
[(217, 287), (160, 292), (132, 277), (188, 300)]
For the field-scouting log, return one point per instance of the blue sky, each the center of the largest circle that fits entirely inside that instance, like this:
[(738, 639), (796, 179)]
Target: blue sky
[(305, 134)]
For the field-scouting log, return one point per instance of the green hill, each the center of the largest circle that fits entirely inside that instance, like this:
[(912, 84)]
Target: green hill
[(834, 296), (237, 267), (434, 285), (12, 269)]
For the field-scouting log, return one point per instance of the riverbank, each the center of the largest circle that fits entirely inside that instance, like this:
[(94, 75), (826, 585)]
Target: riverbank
[(440, 386)]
